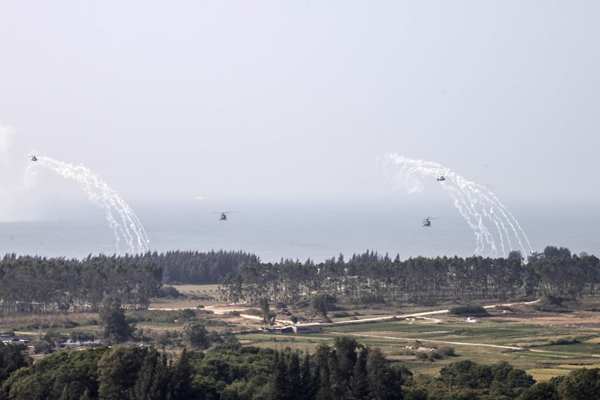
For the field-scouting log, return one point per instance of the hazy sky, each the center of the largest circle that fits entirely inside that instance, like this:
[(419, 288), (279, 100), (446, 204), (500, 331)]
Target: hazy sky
[(221, 98)]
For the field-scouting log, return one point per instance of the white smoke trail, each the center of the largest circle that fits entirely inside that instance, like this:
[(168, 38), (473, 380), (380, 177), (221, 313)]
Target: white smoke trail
[(126, 226), (502, 210), (475, 203)]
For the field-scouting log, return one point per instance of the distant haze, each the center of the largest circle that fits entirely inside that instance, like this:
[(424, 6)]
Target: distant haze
[(299, 99)]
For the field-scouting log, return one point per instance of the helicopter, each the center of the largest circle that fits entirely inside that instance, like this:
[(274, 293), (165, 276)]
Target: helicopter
[(427, 222), (33, 158), (441, 179), (224, 215)]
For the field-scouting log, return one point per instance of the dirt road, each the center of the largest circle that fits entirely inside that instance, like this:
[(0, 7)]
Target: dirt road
[(421, 314)]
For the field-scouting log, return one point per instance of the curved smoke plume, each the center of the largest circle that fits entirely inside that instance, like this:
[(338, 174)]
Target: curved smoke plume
[(477, 205), (124, 223)]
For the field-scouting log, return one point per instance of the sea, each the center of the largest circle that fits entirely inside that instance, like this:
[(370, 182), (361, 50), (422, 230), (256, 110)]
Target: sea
[(300, 229)]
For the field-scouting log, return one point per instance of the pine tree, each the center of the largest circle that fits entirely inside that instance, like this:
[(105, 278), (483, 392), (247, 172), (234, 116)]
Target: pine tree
[(146, 376), (294, 377), (306, 380), (182, 376), (359, 385), (280, 385)]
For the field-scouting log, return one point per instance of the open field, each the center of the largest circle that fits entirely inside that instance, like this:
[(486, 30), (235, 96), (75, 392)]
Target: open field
[(209, 290), (546, 344)]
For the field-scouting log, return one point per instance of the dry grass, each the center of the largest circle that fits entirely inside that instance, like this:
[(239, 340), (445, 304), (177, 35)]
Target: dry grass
[(542, 375)]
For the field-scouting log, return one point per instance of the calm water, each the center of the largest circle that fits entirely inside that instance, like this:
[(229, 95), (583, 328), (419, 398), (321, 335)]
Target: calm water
[(309, 229)]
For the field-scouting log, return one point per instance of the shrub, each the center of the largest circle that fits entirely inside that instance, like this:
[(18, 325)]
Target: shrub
[(565, 340), (446, 351), (302, 303), (188, 314), (42, 347), (468, 309), (280, 305), (549, 303), (53, 337), (169, 291), (197, 336)]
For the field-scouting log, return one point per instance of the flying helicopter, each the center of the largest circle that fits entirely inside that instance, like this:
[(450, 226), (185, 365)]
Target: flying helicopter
[(33, 158), (441, 179), (223, 216), (427, 222)]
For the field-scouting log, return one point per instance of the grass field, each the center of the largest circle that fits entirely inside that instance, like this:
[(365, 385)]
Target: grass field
[(208, 290), (528, 343), (521, 336)]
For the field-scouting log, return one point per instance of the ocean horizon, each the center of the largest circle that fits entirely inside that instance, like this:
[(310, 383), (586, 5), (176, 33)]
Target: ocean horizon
[(311, 229)]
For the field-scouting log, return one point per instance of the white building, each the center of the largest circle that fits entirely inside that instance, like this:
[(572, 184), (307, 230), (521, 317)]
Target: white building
[(308, 328)]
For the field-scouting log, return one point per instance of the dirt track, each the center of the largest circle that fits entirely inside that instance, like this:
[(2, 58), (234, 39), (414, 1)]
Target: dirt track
[(421, 314), (465, 344)]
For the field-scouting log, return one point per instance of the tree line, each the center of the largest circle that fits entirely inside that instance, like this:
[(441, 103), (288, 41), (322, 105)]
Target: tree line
[(39, 284), (374, 278), (194, 267), (347, 370), (33, 284)]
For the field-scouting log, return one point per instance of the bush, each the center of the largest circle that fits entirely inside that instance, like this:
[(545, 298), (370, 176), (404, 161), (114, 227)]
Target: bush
[(294, 319), (169, 291), (42, 347), (447, 351), (565, 340), (197, 336), (468, 309), (550, 303), (302, 303), (53, 337), (188, 314), (280, 305)]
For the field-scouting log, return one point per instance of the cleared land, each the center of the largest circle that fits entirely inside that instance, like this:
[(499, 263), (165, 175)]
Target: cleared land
[(515, 332)]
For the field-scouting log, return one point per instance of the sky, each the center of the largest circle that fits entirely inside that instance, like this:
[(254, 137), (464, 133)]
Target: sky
[(300, 99)]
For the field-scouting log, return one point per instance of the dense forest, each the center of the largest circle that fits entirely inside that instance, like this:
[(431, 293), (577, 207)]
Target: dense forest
[(36, 284), (370, 276), (193, 267), (33, 284), (229, 371)]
